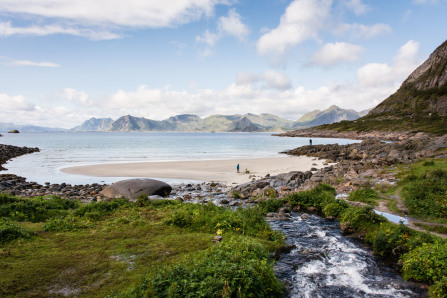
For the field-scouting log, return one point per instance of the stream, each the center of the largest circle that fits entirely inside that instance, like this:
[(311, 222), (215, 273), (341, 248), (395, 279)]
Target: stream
[(327, 264)]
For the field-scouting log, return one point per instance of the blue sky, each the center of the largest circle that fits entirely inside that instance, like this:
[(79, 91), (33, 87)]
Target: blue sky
[(62, 62)]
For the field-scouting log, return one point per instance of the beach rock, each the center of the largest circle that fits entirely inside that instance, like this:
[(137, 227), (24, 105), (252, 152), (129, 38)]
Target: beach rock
[(132, 188)]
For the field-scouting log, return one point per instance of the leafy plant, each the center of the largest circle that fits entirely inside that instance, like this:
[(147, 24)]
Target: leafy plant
[(366, 195), (10, 231)]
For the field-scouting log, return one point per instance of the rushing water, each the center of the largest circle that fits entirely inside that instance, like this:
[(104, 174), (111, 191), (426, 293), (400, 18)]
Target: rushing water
[(327, 264), (63, 149)]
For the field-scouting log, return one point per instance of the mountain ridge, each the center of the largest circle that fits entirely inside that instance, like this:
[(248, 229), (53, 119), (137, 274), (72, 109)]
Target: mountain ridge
[(219, 123)]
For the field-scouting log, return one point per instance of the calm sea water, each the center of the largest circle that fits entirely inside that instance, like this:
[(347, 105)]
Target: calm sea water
[(63, 149)]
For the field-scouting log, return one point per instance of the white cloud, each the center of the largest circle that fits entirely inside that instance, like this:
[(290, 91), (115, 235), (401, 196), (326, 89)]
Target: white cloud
[(426, 1), (137, 13), (30, 63), (405, 61), (98, 19), (76, 96), (230, 25), (277, 80), (357, 6), (334, 53), (15, 103), (233, 25), (6, 29), (210, 39), (246, 78), (363, 31), (302, 20)]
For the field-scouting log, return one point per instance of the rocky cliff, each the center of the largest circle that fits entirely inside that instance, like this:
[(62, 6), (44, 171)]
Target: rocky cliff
[(419, 105)]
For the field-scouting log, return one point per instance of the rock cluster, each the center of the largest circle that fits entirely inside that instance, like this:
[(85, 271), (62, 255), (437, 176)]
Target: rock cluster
[(7, 152), (18, 186), (354, 135), (271, 186), (348, 167)]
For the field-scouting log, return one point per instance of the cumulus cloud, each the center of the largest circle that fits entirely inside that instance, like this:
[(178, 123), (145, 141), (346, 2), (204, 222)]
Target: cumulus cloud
[(227, 25), (76, 96), (363, 31), (357, 6), (233, 25), (210, 39), (334, 53), (15, 103), (276, 80), (405, 61), (302, 20)]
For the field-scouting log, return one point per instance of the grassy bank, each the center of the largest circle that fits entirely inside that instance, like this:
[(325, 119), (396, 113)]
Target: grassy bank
[(52, 247)]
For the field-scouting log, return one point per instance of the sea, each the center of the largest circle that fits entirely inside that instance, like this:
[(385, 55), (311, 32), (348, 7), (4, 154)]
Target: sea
[(60, 150)]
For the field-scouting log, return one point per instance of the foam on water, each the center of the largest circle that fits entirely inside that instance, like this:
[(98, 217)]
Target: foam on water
[(327, 264)]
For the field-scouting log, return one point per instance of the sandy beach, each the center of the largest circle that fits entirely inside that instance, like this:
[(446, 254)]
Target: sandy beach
[(202, 170)]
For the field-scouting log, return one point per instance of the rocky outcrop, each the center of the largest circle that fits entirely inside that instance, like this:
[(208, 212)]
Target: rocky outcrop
[(432, 73), (375, 135), (7, 152), (132, 188)]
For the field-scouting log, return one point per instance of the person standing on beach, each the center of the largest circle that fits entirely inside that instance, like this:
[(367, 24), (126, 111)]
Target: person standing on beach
[(310, 142), (237, 167)]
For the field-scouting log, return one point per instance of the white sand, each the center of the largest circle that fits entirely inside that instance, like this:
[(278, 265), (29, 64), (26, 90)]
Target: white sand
[(202, 170)]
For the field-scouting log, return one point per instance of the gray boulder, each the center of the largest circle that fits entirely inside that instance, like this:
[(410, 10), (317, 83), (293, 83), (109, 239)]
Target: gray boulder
[(132, 188)]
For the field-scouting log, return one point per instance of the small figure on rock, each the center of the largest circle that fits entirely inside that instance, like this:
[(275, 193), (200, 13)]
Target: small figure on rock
[(310, 142)]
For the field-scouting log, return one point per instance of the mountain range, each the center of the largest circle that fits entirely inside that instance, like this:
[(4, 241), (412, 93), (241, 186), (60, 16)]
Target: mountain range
[(219, 123)]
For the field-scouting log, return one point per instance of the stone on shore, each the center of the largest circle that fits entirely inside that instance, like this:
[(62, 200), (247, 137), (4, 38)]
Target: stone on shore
[(132, 188)]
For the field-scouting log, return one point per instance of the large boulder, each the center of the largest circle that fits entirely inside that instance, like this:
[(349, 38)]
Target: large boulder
[(132, 188)]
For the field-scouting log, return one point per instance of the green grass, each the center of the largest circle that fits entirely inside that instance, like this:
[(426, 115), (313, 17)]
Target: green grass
[(109, 248), (423, 188), (366, 195)]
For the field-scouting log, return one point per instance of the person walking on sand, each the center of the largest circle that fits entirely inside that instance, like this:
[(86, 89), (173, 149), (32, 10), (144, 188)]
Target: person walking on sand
[(237, 168)]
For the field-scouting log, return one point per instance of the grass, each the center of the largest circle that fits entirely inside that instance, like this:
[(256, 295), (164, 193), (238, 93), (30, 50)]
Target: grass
[(104, 248), (423, 187)]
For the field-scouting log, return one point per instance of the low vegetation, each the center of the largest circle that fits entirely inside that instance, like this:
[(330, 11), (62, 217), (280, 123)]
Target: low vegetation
[(366, 195), (56, 247), (424, 189)]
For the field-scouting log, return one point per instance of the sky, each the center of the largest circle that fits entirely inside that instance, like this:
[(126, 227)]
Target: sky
[(65, 61)]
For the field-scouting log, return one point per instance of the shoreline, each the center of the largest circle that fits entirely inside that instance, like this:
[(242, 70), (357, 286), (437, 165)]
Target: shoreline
[(202, 170)]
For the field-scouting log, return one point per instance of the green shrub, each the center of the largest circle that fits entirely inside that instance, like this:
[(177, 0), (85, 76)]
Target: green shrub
[(144, 201), (318, 197), (366, 195), (361, 218), (210, 218), (425, 194), (97, 210), (439, 288), (428, 163), (335, 209), (270, 205), (427, 263), (34, 209), (237, 267), (10, 231)]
